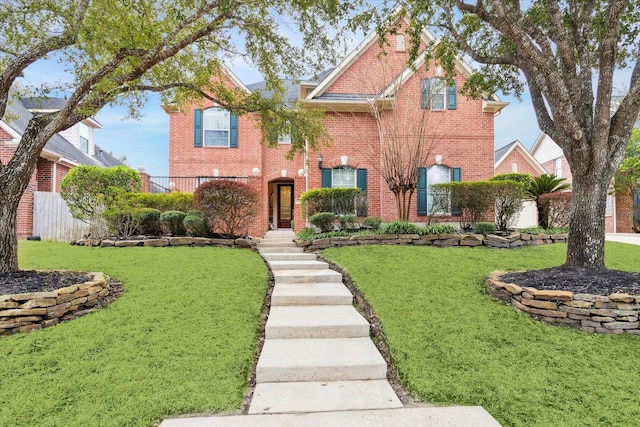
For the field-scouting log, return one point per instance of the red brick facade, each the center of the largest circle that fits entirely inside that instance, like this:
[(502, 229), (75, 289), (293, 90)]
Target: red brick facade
[(462, 138), (522, 164)]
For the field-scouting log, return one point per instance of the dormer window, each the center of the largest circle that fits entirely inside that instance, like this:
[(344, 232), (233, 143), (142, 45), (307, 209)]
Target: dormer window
[(83, 140)]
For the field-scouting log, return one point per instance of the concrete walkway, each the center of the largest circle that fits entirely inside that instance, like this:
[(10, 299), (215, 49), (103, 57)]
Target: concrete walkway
[(318, 366), (630, 238)]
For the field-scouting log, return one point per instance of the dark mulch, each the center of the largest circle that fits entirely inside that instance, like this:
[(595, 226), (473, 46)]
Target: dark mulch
[(26, 281), (578, 280)]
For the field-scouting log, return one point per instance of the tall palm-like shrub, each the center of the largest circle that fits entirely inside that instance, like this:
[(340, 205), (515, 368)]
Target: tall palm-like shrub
[(545, 184)]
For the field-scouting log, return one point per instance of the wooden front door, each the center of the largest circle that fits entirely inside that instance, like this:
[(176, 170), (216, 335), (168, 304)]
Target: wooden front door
[(285, 205)]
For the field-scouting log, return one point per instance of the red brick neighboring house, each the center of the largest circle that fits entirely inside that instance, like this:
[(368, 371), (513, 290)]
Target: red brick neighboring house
[(67, 149), (206, 141), (620, 209)]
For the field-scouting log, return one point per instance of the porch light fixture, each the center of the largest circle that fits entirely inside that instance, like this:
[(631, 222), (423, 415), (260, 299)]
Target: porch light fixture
[(438, 159), (255, 171), (284, 172), (320, 161), (344, 160), (172, 185), (301, 172), (216, 172)]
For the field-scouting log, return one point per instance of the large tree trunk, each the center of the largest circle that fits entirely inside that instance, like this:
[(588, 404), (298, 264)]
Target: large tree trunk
[(8, 234)]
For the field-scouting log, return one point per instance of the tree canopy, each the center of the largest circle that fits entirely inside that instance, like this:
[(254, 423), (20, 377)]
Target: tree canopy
[(565, 53)]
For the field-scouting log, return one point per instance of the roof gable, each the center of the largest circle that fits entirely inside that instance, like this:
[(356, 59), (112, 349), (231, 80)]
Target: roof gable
[(502, 153)]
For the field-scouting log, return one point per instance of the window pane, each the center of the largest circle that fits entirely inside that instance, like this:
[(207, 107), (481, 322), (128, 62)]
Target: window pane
[(284, 139), (216, 138), (437, 94), (84, 145), (344, 177), (436, 174)]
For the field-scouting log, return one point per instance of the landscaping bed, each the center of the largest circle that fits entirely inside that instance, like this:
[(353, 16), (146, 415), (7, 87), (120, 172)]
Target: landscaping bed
[(167, 241)]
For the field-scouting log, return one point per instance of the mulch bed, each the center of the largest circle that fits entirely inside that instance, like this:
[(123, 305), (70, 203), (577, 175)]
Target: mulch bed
[(26, 281), (578, 280)]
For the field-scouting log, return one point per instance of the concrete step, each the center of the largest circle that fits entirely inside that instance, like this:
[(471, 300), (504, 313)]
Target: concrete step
[(279, 233), (311, 294), (279, 250), (307, 276), (290, 257), (329, 359), (273, 398), (437, 416), (315, 321), (276, 242), (298, 265)]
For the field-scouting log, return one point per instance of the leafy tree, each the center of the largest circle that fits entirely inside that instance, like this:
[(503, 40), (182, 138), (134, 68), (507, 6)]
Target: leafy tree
[(228, 207), (567, 53), (541, 185), (116, 51), (627, 178)]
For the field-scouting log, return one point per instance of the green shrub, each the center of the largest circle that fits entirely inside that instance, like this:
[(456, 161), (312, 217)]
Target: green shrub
[(150, 222), (122, 222), (228, 207), (523, 178), (399, 227), (195, 225), (171, 223), (540, 230), (472, 200), (348, 222), (174, 201), (372, 222), (323, 220), (484, 228), (555, 209), (438, 229), (341, 201), (508, 199)]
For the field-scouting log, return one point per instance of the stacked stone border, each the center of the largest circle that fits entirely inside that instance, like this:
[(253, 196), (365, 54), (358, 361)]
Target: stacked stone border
[(169, 241), (36, 310), (514, 240), (614, 314)]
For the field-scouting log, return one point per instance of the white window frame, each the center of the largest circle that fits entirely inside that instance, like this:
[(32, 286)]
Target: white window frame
[(514, 167), (437, 83), (338, 170), (557, 167), (285, 138), (608, 210), (217, 111), (83, 139), (400, 44), (434, 172)]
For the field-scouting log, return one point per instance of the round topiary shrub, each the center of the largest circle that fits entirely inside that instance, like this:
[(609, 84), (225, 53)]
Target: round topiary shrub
[(150, 222), (194, 224), (372, 222), (171, 222), (348, 222), (323, 220)]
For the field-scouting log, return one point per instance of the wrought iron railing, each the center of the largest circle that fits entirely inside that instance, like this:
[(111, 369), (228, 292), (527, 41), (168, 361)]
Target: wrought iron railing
[(188, 184)]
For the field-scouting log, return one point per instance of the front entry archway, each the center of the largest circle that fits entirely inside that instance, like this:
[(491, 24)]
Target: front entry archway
[(281, 204)]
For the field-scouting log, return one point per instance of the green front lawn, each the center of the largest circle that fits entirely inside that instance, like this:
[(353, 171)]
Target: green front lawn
[(453, 344), (182, 339)]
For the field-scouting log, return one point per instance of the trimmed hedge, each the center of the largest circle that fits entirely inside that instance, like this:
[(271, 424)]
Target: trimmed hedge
[(341, 201)]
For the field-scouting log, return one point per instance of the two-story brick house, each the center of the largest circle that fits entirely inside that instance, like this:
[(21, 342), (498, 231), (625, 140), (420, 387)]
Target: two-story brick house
[(206, 141), (67, 149)]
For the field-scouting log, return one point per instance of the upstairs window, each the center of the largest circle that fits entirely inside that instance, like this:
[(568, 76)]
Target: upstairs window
[(557, 167), (215, 127), (83, 141), (435, 95), (400, 47)]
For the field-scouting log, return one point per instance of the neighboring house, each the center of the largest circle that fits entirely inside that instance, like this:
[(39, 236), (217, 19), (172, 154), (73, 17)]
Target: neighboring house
[(515, 158), (67, 149), (619, 210), (205, 141)]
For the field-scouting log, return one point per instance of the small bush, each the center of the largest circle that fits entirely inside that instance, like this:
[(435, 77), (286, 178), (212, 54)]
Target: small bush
[(540, 230), (323, 220), (472, 200), (348, 222), (372, 222), (438, 229), (175, 201), (228, 207), (194, 224), (399, 227), (484, 228), (555, 209), (150, 222), (122, 222), (171, 223), (341, 201), (509, 197)]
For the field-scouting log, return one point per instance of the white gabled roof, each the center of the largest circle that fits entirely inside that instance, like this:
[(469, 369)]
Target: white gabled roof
[(517, 146)]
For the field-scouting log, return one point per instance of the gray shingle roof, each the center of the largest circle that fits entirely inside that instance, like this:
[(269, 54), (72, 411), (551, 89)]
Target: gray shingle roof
[(40, 103), (502, 151), (17, 116), (290, 86)]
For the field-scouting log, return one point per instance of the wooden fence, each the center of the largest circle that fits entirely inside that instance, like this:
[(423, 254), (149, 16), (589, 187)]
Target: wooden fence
[(52, 219)]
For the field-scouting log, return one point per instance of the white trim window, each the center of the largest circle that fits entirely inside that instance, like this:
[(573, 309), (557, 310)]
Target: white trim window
[(557, 167), (216, 127), (284, 138), (343, 177), (83, 137), (437, 174), (608, 210)]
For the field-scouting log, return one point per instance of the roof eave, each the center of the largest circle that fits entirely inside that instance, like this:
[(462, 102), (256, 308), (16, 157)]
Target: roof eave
[(491, 106), (352, 106)]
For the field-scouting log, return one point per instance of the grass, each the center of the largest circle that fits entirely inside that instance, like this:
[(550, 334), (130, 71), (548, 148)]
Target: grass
[(181, 339), (453, 344)]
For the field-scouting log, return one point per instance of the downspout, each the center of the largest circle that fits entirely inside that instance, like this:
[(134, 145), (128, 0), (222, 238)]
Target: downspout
[(54, 172)]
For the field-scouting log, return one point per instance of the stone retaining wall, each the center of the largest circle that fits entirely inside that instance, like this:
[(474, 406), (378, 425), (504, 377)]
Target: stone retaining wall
[(514, 240), (168, 241), (36, 310), (614, 314)]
